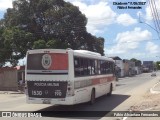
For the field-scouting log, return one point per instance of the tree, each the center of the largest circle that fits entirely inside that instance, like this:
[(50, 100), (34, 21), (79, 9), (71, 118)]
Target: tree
[(137, 62), (47, 19), (16, 42), (3, 51), (35, 24), (158, 65)]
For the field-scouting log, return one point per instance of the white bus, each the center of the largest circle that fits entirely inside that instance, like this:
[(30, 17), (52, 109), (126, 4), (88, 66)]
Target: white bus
[(67, 77)]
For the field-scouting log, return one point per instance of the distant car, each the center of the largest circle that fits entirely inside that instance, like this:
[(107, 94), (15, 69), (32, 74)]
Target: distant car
[(153, 73)]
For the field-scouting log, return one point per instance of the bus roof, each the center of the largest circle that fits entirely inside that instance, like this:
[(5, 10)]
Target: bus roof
[(46, 51), (82, 53), (87, 52)]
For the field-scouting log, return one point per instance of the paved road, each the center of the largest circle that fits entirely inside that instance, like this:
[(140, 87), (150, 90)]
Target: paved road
[(123, 92), (127, 84)]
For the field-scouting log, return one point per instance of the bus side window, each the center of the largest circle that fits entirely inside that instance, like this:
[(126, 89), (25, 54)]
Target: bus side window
[(89, 67), (81, 60), (93, 67), (77, 68), (85, 67), (98, 67), (107, 68), (102, 67)]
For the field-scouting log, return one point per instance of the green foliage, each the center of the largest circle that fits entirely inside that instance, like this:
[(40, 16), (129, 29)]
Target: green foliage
[(158, 65), (40, 24), (135, 60), (4, 52), (39, 44), (57, 44), (15, 44)]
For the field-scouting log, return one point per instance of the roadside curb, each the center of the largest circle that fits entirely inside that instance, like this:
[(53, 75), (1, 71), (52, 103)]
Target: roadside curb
[(11, 92), (154, 91)]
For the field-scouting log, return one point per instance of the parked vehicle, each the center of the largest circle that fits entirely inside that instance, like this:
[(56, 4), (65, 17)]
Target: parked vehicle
[(153, 73)]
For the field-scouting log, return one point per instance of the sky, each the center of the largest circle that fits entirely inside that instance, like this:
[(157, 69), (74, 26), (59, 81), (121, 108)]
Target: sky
[(124, 35)]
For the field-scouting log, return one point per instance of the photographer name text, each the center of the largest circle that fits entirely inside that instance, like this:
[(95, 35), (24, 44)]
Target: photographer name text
[(129, 5)]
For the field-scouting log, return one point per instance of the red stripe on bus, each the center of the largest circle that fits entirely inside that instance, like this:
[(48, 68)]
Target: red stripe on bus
[(95, 81), (85, 83), (110, 78), (59, 61), (103, 80)]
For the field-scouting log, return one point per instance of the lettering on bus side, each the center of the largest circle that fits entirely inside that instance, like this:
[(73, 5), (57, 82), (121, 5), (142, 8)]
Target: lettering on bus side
[(58, 93), (46, 84), (36, 93)]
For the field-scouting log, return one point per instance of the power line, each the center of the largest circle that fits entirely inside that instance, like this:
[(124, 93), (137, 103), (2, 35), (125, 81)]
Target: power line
[(156, 12), (156, 27), (154, 19), (154, 15)]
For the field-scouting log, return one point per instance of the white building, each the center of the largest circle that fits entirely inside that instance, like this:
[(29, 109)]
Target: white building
[(120, 64)]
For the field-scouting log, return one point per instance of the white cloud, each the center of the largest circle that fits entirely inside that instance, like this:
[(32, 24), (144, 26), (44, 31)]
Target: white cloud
[(136, 35), (129, 40), (125, 19), (139, 13), (88, 1), (4, 4), (99, 14), (148, 16), (152, 48)]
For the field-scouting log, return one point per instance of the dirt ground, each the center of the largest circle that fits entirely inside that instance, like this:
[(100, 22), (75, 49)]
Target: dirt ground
[(151, 102)]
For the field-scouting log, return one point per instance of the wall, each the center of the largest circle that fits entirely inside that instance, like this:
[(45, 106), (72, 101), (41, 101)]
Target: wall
[(126, 68), (120, 64), (8, 79)]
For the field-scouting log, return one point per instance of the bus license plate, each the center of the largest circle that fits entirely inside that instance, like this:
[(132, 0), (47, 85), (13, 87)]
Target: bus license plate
[(47, 101)]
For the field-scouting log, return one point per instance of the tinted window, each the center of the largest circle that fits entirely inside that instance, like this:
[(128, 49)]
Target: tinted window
[(86, 66)]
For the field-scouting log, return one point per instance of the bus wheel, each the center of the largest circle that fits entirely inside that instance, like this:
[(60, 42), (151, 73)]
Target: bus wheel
[(110, 92), (92, 101)]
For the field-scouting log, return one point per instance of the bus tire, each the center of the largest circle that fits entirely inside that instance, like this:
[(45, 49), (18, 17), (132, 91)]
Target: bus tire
[(110, 92), (92, 101)]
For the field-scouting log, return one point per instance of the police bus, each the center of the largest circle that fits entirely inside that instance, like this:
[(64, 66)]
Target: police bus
[(67, 77)]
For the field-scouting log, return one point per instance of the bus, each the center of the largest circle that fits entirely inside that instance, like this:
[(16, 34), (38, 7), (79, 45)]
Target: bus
[(67, 77)]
